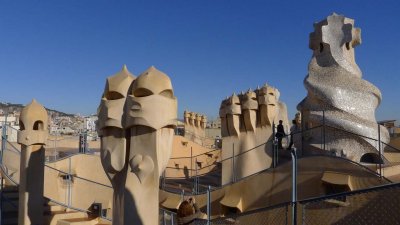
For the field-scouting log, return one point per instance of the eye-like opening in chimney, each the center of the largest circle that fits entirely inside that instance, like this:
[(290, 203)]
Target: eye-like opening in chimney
[(38, 125), (113, 95), (142, 92), (21, 125), (348, 45)]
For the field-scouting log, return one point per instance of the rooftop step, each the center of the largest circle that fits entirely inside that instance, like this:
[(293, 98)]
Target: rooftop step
[(78, 221), (56, 216), (10, 205), (10, 218)]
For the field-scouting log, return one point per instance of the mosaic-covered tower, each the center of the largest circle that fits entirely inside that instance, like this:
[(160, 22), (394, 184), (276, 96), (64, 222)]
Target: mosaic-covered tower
[(338, 97)]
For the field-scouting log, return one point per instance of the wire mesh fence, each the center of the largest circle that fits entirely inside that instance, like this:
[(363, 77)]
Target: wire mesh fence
[(194, 174), (380, 205), (369, 207), (188, 173), (277, 215), (270, 216), (167, 217)]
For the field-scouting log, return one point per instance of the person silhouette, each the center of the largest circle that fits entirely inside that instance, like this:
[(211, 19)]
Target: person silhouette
[(280, 133)]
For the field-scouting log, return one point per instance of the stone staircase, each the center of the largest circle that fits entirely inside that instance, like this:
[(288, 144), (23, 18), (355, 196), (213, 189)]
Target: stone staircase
[(9, 213)]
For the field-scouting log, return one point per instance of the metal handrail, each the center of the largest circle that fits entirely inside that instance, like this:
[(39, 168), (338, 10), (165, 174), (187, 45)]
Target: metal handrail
[(68, 206), (269, 169), (300, 132), (8, 125), (77, 209), (294, 133), (352, 133), (4, 173), (314, 199), (348, 160), (198, 136), (78, 177), (241, 153), (254, 148), (265, 143), (188, 157), (91, 181), (15, 149), (218, 188), (70, 155), (55, 201)]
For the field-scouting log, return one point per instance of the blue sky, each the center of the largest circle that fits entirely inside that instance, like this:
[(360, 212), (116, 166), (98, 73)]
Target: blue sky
[(60, 52)]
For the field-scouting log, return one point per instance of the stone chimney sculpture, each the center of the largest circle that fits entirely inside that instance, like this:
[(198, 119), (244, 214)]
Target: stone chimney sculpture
[(335, 87), (111, 130), (32, 137), (151, 116), (195, 124), (186, 116), (246, 124), (136, 124)]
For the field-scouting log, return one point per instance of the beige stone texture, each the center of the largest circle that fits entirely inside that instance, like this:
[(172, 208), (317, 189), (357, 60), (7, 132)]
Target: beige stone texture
[(32, 137), (267, 188), (151, 118), (11, 163), (112, 132), (62, 218), (83, 193), (68, 144), (195, 125), (297, 135), (110, 128), (187, 156), (85, 167), (246, 126), (337, 178), (136, 126), (274, 186)]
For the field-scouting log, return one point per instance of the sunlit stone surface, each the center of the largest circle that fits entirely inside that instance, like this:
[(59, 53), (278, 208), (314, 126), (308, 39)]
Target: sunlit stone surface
[(334, 85), (246, 125)]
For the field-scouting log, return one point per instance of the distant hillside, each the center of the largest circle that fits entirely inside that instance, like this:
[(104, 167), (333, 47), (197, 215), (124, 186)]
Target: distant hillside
[(11, 107)]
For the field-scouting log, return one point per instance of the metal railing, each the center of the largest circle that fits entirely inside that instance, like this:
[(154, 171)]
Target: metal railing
[(302, 210), (376, 205), (4, 201), (167, 217), (70, 198), (194, 179), (203, 139), (299, 207)]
